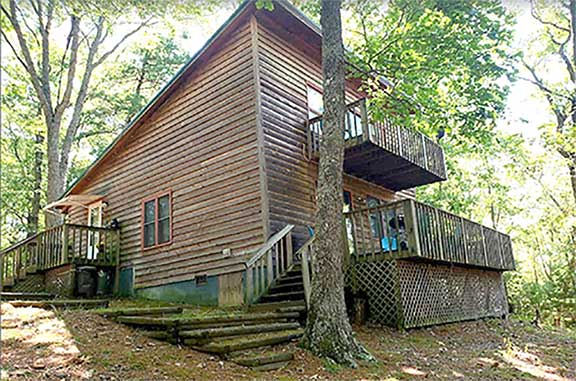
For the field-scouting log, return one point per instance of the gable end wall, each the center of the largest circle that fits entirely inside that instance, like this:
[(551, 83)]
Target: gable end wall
[(202, 145)]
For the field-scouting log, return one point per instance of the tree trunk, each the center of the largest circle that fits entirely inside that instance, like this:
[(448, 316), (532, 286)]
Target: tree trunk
[(55, 178), (328, 332), (33, 216)]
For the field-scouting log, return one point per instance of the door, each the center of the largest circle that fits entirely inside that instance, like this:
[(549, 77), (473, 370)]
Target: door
[(94, 219)]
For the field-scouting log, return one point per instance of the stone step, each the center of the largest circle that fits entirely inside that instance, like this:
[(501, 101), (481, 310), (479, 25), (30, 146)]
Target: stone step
[(199, 336), (286, 287), (207, 321), (26, 296), (62, 303), (262, 358), (296, 295), (140, 311), (250, 341), (271, 366)]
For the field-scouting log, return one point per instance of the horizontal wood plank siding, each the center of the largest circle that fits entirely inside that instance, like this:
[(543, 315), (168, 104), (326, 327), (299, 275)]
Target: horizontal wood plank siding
[(201, 143), (285, 72)]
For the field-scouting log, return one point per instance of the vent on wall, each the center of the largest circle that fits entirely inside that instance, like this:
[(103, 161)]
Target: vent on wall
[(201, 280)]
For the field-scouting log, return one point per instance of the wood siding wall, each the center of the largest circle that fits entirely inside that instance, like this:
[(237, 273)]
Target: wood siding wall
[(285, 72), (201, 144)]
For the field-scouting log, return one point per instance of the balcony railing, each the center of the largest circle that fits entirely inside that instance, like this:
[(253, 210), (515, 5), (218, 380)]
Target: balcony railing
[(410, 229), (408, 144), (57, 246)]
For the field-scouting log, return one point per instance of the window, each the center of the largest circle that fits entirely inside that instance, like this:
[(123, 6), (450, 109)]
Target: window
[(315, 102), (157, 220)]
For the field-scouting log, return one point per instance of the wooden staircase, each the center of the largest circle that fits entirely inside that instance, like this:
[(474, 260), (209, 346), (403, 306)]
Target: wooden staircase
[(275, 313), (249, 338)]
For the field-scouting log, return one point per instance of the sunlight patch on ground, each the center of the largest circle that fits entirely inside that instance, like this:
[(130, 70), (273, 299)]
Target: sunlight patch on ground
[(36, 343), (531, 364), (413, 371)]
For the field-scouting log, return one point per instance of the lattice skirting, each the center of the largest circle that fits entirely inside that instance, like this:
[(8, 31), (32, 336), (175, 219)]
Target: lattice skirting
[(414, 294)]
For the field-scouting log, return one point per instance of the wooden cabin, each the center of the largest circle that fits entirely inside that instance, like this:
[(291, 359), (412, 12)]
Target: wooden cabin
[(208, 195)]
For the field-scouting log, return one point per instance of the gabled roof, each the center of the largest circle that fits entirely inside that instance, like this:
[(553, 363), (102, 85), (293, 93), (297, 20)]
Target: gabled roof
[(247, 8)]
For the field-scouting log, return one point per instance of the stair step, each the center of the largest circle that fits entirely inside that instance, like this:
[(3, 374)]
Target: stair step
[(289, 280), (286, 287), (296, 295), (276, 306), (208, 321), (250, 341), (26, 296), (62, 303), (195, 337), (271, 366), (111, 313), (261, 358)]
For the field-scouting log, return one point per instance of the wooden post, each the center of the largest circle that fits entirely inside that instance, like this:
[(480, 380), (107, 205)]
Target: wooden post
[(439, 232), (306, 275), (364, 120), (484, 246), (269, 268), (412, 229), (289, 250), (116, 234), (249, 285), (64, 256), (464, 240), (424, 151)]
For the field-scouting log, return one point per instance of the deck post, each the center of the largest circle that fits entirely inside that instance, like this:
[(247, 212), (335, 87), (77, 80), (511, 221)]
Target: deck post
[(484, 246), (116, 234), (306, 255), (289, 250), (464, 240), (424, 145), (364, 119), (64, 256), (439, 234), (412, 222)]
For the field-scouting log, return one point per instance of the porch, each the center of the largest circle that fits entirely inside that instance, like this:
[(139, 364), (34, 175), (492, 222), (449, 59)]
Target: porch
[(416, 265), (59, 246), (381, 152), (409, 229)]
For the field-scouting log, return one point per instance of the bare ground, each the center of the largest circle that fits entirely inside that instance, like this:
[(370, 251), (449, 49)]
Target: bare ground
[(80, 345)]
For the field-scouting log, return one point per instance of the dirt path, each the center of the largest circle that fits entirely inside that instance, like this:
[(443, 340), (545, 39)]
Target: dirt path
[(79, 345)]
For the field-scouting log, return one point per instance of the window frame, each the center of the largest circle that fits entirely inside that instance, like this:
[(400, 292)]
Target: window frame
[(155, 198)]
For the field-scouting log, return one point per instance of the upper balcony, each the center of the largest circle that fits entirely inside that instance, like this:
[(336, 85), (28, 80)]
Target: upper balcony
[(395, 157)]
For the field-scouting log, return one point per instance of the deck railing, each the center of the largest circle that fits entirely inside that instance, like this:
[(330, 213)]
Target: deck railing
[(57, 246), (410, 229), (268, 263), (404, 142), (306, 256)]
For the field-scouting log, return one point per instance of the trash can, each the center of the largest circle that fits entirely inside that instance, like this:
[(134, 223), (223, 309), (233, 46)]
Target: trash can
[(86, 281), (104, 282)]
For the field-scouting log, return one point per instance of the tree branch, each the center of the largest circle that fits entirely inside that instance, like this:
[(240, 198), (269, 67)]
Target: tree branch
[(73, 37), (27, 60)]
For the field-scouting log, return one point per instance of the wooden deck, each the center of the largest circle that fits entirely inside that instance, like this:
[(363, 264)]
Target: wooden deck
[(395, 157), (57, 246), (410, 229)]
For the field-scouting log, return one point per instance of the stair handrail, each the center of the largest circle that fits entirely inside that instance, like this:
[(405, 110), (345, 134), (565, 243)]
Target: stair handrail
[(270, 261), (305, 253)]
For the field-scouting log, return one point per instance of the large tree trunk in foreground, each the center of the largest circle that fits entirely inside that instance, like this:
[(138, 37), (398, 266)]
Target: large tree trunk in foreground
[(328, 331)]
